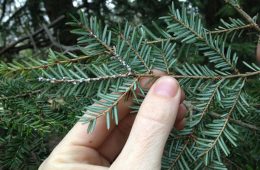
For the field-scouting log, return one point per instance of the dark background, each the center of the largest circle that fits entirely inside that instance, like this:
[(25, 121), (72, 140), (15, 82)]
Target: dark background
[(35, 24)]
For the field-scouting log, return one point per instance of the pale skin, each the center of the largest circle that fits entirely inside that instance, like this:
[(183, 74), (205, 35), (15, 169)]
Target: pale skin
[(136, 143)]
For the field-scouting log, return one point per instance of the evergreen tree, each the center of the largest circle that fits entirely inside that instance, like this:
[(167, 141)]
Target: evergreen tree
[(43, 98)]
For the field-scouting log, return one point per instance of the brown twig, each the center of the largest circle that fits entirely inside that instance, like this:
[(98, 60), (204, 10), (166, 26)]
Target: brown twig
[(231, 29), (249, 74), (201, 38), (55, 43), (238, 122), (227, 117), (115, 103), (135, 51), (21, 95), (232, 164), (243, 14), (179, 155), (45, 66), (161, 40), (209, 32), (5, 49), (87, 80), (110, 50)]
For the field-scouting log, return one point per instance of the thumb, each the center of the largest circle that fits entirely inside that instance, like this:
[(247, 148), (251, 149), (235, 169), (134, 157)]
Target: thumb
[(153, 123)]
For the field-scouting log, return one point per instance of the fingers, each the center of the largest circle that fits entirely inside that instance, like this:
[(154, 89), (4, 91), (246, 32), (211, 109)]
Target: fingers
[(180, 125), (70, 166), (152, 125), (181, 113), (183, 97), (116, 140), (78, 134), (148, 82), (180, 121)]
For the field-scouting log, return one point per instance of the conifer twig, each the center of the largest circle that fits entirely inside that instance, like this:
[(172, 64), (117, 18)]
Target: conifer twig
[(243, 14), (232, 76), (121, 97), (232, 163), (45, 66), (110, 50), (227, 118), (125, 75), (201, 38), (209, 32), (198, 36), (231, 29), (83, 80), (179, 155), (21, 95), (238, 122), (206, 108), (161, 40), (135, 51)]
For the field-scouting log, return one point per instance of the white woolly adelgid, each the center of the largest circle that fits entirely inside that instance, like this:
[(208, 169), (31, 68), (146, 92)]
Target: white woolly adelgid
[(82, 80), (120, 59)]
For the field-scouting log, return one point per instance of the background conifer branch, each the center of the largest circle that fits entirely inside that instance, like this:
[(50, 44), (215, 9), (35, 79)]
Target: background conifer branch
[(235, 5), (110, 50), (135, 51), (193, 25), (175, 161), (210, 100), (216, 115), (238, 122), (227, 30), (231, 29), (92, 114), (29, 93), (221, 131)]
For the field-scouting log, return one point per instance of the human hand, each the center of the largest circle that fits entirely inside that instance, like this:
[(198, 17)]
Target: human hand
[(136, 143)]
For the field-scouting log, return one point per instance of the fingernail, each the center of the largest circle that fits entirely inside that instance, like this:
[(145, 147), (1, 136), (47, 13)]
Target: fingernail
[(166, 87)]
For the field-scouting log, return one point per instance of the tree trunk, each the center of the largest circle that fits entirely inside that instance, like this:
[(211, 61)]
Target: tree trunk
[(56, 8)]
